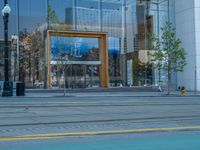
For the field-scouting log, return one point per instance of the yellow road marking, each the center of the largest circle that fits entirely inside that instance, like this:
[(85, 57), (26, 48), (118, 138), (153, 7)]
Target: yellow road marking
[(90, 133), (26, 138)]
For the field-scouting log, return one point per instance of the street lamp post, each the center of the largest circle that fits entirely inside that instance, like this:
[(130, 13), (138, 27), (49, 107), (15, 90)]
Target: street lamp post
[(7, 89)]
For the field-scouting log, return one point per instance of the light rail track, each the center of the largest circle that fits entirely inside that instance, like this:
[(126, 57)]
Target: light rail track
[(133, 120)]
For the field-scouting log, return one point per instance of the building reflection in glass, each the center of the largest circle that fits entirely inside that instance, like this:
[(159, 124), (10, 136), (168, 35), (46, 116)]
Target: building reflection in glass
[(127, 23)]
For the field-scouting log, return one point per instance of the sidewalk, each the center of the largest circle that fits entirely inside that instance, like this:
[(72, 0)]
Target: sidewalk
[(119, 92)]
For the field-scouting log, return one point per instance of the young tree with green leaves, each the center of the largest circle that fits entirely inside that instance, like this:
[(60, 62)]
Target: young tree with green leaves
[(167, 53)]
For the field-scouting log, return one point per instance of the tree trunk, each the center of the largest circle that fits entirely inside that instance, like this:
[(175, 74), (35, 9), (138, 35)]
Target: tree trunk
[(58, 76), (169, 82)]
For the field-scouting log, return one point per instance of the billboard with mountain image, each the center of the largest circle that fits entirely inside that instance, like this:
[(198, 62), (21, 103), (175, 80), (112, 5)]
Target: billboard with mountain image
[(80, 49)]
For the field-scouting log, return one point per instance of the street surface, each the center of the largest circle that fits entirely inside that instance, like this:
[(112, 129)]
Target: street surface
[(100, 122)]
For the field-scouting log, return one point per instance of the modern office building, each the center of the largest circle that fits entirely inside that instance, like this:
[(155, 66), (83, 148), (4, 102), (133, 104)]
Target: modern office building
[(126, 23), (188, 29)]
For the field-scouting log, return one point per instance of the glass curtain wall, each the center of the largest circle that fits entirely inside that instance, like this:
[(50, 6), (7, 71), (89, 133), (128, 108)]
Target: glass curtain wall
[(127, 23), (151, 16), (163, 11), (12, 31), (112, 22), (26, 23), (32, 21)]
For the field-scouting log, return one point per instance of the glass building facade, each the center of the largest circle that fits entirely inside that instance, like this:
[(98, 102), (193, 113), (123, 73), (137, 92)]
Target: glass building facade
[(127, 23)]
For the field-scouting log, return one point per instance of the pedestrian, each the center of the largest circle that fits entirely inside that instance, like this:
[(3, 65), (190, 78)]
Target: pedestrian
[(179, 88), (182, 90), (159, 89)]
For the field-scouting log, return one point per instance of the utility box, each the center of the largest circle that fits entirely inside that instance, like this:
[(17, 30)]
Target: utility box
[(7, 88), (20, 89)]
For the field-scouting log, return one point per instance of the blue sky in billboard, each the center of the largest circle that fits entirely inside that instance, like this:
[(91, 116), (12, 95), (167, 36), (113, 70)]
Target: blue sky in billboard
[(79, 46), (73, 46)]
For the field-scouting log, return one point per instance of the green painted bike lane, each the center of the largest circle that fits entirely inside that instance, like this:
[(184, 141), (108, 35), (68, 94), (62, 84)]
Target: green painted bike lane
[(172, 141)]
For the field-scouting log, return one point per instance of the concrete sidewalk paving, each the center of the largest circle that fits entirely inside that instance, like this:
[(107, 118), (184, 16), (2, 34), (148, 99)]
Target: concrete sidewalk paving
[(106, 94)]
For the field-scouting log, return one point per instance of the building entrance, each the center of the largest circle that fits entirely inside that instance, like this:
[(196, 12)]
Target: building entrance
[(77, 59), (76, 74), (82, 76)]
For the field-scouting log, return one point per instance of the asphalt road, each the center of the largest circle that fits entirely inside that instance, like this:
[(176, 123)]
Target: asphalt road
[(30, 119)]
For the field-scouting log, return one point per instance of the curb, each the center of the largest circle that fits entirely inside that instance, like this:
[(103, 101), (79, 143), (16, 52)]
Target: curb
[(95, 133)]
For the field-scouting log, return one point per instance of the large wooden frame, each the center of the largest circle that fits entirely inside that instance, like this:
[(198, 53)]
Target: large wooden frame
[(103, 46)]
